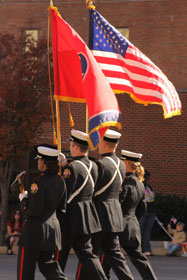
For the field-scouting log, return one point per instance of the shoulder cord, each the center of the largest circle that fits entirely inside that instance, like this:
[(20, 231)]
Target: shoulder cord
[(85, 181), (114, 176)]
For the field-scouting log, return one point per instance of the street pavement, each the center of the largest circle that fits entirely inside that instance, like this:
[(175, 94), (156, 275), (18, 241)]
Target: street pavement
[(166, 268)]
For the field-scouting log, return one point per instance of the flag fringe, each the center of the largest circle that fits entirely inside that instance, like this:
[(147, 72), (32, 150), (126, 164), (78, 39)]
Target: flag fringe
[(69, 99), (146, 103), (106, 124), (175, 113)]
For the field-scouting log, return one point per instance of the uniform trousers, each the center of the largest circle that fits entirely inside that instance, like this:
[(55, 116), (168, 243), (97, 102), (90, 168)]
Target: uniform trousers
[(133, 249), (146, 224), (67, 242), (47, 263), (83, 249), (139, 260), (108, 242)]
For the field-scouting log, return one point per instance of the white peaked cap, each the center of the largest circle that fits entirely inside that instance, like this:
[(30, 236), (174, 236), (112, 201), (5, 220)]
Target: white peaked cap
[(130, 155), (111, 136), (79, 137), (48, 153)]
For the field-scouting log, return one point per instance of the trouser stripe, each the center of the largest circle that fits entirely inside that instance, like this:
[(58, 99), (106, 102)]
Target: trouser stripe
[(102, 259), (78, 272), (57, 255), (21, 263)]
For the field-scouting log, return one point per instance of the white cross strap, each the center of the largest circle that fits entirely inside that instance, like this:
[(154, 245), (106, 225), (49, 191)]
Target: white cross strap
[(113, 177), (85, 181)]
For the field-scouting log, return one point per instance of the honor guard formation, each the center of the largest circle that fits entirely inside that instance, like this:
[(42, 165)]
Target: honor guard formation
[(92, 206)]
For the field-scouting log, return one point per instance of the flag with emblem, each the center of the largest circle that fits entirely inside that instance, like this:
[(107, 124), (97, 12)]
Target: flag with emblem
[(78, 78), (128, 70)]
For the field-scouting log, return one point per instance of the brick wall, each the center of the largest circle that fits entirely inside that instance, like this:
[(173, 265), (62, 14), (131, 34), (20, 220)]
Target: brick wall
[(161, 141), (157, 28)]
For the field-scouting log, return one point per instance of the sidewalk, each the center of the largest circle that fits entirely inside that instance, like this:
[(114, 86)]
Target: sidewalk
[(158, 248)]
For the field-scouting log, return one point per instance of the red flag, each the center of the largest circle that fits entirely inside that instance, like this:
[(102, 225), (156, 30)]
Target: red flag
[(78, 78), (128, 70)]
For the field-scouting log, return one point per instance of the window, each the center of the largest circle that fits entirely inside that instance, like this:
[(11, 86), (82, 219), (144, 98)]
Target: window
[(33, 35)]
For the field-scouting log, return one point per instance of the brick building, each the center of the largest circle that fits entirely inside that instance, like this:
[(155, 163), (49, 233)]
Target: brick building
[(158, 29)]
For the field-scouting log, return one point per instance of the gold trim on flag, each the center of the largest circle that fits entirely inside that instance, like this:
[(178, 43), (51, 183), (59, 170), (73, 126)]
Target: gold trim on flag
[(71, 99), (106, 124)]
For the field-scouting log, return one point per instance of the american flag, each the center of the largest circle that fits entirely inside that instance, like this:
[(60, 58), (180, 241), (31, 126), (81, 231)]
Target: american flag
[(128, 70), (173, 219)]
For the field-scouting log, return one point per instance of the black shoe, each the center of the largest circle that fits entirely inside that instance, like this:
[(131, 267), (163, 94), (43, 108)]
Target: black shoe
[(173, 255)]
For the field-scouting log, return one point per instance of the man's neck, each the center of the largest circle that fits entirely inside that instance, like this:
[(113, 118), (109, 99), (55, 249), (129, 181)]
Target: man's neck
[(80, 154), (107, 151)]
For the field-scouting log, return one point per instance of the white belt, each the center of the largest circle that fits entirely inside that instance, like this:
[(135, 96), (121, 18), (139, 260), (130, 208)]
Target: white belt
[(114, 176), (85, 181)]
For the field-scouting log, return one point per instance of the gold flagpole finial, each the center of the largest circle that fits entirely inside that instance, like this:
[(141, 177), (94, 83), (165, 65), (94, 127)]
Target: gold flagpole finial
[(90, 4), (51, 3)]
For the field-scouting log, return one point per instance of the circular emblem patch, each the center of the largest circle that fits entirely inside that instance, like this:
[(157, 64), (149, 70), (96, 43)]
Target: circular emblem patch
[(34, 188), (67, 173)]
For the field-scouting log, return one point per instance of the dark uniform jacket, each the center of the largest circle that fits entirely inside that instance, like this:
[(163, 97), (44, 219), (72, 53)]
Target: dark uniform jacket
[(46, 196), (107, 203), (81, 215), (132, 202)]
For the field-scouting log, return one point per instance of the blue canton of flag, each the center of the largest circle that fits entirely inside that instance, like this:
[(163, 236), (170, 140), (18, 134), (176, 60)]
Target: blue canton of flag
[(106, 37)]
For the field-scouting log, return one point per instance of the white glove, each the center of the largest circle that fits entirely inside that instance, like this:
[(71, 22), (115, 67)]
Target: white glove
[(19, 177), (23, 195), (62, 159)]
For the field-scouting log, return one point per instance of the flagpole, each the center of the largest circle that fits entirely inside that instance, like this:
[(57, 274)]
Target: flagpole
[(161, 225), (86, 118), (58, 125), (90, 5), (50, 89), (57, 105)]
